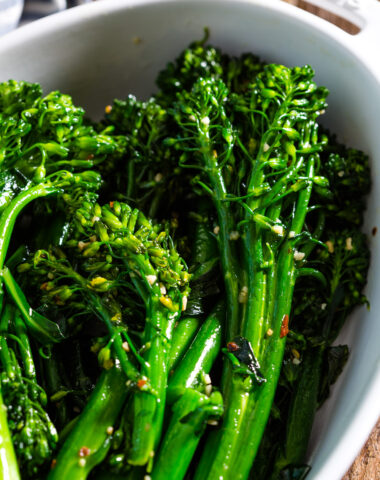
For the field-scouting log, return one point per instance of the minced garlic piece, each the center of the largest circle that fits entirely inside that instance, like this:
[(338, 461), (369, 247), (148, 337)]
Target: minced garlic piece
[(349, 243), (184, 303), (234, 235), (298, 256), (151, 279), (278, 230), (243, 295)]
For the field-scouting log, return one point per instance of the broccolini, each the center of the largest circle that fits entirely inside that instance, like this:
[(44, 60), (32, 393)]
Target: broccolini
[(173, 277)]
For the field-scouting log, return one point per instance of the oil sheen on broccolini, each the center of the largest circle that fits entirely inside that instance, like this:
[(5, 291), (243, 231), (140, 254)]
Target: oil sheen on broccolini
[(173, 278)]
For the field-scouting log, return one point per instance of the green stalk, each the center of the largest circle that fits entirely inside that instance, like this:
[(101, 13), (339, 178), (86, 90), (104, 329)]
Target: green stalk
[(187, 425), (67, 429), (129, 369), (248, 405), (43, 329), (34, 427), (25, 351), (52, 383), (88, 442), (200, 356), (273, 213), (11, 212), (226, 226), (183, 335), (149, 405), (236, 390), (6, 357), (8, 462), (204, 246), (218, 454), (301, 412), (203, 259), (9, 216), (261, 399)]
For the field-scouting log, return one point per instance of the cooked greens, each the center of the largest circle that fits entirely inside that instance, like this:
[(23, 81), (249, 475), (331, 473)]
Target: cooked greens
[(174, 278)]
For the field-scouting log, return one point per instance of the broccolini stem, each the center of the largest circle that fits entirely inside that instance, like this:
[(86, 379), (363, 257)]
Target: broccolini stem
[(203, 258), (8, 462), (25, 351), (222, 447), (149, 406), (227, 257), (301, 414), (11, 212), (53, 382), (183, 335), (131, 181), (6, 357), (88, 442), (248, 405), (204, 246), (45, 331), (190, 414), (200, 356), (9, 216), (129, 369), (261, 399)]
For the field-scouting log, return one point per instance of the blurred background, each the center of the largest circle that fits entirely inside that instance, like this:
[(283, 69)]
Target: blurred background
[(34, 9), (15, 13)]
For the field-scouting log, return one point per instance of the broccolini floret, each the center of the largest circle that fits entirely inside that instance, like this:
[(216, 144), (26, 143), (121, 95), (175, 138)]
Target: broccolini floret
[(236, 178), (34, 436)]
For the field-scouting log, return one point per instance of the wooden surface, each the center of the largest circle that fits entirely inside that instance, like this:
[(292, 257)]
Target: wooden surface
[(367, 464)]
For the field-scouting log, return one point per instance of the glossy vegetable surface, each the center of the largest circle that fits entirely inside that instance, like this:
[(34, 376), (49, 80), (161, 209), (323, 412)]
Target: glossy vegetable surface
[(174, 277)]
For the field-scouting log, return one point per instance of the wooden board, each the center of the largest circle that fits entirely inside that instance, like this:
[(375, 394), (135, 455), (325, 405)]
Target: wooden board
[(367, 464)]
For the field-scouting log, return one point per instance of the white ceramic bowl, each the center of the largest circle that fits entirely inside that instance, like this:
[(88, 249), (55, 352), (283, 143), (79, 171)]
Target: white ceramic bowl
[(92, 53), (10, 13)]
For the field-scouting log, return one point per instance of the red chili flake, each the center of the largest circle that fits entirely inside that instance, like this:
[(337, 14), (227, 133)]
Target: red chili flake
[(90, 156), (44, 286), (374, 231), (141, 383), (84, 452), (284, 326), (112, 204), (232, 346), (53, 463)]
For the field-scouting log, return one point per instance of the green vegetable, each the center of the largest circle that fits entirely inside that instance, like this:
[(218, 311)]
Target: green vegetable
[(9, 467), (34, 436), (274, 203), (157, 274), (199, 358), (190, 414), (91, 437), (210, 231)]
